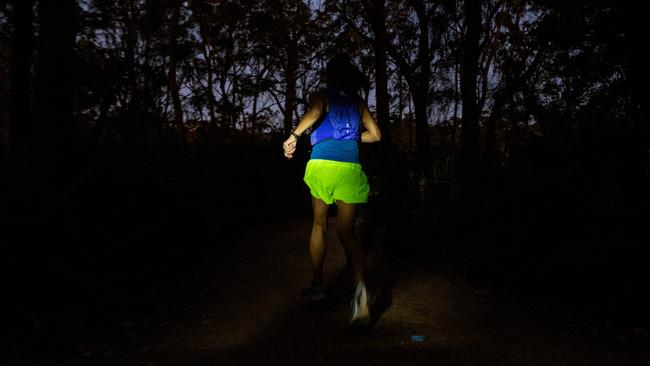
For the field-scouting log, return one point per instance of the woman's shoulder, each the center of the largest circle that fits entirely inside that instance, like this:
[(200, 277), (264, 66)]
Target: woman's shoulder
[(321, 94), (324, 96)]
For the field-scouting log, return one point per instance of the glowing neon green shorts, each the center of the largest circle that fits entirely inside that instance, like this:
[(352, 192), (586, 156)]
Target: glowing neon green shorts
[(331, 180)]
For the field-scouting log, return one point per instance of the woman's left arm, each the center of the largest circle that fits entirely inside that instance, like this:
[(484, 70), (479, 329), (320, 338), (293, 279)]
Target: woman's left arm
[(373, 134), (312, 115)]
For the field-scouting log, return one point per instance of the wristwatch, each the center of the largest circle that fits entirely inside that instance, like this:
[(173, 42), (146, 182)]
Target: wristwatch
[(293, 133)]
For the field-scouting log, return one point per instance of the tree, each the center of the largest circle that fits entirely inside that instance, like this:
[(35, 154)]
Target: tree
[(290, 21), (469, 76), (22, 45), (56, 132), (173, 64)]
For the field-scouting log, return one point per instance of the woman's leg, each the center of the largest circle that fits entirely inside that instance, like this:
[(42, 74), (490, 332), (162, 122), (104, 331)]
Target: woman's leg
[(317, 245), (345, 216)]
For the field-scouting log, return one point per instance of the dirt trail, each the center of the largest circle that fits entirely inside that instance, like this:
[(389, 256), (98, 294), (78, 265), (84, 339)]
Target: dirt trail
[(244, 308)]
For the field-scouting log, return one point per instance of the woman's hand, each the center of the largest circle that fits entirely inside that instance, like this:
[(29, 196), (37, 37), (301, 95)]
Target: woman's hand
[(312, 115), (289, 146), (372, 134)]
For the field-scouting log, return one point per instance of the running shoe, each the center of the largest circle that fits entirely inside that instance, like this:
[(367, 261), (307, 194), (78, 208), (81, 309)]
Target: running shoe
[(313, 293), (359, 304)]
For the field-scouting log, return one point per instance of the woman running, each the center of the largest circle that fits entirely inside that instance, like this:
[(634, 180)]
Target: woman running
[(334, 173)]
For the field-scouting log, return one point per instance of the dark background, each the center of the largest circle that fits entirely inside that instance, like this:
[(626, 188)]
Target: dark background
[(515, 144)]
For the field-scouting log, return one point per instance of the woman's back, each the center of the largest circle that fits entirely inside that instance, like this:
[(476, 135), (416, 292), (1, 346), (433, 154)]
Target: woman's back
[(341, 119), (337, 136)]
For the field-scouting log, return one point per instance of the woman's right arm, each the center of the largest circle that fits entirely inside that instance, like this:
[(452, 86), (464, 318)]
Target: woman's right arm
[(372, 133), (316, 107)]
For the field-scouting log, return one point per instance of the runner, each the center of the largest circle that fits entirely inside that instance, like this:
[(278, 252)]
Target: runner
[(334, 173)]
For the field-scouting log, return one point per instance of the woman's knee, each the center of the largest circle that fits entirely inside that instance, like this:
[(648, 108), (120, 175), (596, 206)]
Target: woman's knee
[(345, 233), (319, 225)]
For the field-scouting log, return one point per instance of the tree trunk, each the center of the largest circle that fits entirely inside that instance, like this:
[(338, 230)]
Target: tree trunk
[(419, 88), (421, 115), (20, 114), (210, 86), (131, 125), (199, 9), (513, 83), (418, 79), (256, 93), (173, 66), (421, 121), (53, 97), (491, 127), (469, 75), (290, 72), (378, 24), (637, 77), (227, 106)]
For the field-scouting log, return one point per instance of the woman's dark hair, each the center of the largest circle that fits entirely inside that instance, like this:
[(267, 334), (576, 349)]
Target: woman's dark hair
[(342, 74)]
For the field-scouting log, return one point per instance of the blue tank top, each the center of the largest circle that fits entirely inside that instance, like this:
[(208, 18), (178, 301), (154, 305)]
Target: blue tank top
[(336, 138)]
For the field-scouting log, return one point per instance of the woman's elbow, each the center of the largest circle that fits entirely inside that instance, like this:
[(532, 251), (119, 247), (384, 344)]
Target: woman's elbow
[(315, 111), (377, 136)]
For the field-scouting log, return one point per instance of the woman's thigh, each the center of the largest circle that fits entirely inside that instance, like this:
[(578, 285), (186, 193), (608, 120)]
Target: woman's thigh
[(345, 215), (320, 211)]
